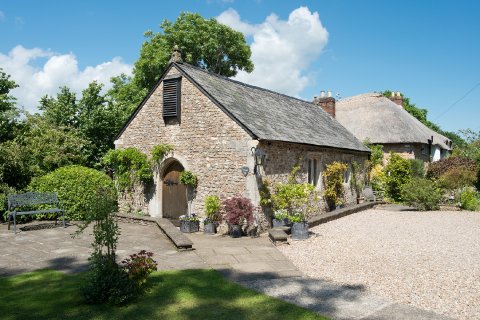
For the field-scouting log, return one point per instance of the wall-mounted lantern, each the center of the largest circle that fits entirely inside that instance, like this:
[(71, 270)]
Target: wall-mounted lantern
[(259, 157)]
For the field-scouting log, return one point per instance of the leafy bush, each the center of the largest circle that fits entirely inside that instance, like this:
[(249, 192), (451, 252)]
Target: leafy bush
[(422, 194), (457, 178), (106, 281), (188, 178), (397, 173), (129, 166), (333, 181), (5, 190), (139, 266), (436, 169), (470, 199), (377, 178), (212, 208), (237, 210), (77, 189), (417, 167)]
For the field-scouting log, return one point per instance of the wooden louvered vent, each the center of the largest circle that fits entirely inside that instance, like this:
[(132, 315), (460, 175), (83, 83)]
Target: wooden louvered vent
[(171, 98)]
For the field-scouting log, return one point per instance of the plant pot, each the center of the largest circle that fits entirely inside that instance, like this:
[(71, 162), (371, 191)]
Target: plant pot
[(235, 230), (210, 228), (300, 231), (189, 226), (282, 222), (360, 200)]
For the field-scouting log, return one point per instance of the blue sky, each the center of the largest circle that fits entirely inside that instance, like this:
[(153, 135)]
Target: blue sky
[(429, 50)]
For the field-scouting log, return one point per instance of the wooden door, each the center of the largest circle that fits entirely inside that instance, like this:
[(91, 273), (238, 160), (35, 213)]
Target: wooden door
[(174, 197)]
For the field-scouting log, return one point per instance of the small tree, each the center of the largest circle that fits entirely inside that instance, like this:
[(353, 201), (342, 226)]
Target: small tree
[(237, 210), (397, 173), (212, 208)]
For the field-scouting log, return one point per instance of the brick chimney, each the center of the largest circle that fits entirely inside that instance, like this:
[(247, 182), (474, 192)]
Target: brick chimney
[(326, 103), (397, 98)]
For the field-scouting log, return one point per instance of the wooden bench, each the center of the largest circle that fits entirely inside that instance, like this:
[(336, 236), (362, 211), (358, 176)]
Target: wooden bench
[(25, 201)]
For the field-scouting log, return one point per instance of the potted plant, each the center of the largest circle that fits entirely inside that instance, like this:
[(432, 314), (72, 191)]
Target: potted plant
[(281, 218), (212, 213), (237, 211), (189, 223), (300, 226)]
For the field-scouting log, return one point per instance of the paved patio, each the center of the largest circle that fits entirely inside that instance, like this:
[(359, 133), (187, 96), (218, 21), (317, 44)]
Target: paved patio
[(252, 262)]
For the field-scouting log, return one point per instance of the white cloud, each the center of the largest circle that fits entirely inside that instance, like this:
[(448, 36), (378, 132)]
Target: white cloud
[(57, 70), (2, 15), (282, 51)]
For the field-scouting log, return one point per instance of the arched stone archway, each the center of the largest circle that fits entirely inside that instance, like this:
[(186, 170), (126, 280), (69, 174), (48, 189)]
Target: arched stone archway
[(174, 197)]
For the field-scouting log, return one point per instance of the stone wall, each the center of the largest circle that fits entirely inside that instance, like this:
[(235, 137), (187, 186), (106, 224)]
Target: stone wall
[(407, 151), (282, 157), (206, 142)]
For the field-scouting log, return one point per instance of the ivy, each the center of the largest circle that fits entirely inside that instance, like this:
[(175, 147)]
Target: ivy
[(129, 166), (160, 151)]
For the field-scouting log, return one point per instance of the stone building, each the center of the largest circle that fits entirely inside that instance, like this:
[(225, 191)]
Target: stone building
[(219, 128), (383, 121)]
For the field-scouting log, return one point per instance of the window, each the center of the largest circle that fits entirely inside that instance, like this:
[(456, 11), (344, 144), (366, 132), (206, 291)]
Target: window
[(313, 171), (171, 99)]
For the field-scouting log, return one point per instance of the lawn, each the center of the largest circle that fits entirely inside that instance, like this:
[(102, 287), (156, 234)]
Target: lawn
[(186, 294)]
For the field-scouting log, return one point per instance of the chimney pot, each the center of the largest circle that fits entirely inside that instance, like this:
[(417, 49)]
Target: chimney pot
[(397, 98), (176, 55), (392, 94), (327, 103)]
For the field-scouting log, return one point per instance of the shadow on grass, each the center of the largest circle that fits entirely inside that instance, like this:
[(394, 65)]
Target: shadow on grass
[(186, 294)]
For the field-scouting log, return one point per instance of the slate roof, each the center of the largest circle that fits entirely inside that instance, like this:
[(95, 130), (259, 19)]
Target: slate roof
[(272, 116), (373, 116)]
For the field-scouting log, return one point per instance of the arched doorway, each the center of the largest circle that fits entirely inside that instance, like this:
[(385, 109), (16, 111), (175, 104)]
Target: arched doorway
[(174, 194)]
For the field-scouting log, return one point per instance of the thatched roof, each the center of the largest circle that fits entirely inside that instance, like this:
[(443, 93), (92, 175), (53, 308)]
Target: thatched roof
[(375, 117)]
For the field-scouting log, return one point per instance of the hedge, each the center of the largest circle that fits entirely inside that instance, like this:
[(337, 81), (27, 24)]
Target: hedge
[(77, 188)]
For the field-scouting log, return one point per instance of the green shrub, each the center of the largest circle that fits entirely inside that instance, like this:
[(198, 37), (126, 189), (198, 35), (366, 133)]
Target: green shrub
[(333, 181), (470, 199), (76, 188), (397, 173), (5, 190), (417, 167), (457, 178), (212, 208), (129, 166), (421, 193), (106, 281)]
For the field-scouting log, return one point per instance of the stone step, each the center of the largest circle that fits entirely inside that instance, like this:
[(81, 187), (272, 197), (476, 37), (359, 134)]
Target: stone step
[(277, 236), (285, 229)]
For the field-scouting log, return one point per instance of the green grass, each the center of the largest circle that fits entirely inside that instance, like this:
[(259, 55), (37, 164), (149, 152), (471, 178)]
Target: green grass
[(186, 294)]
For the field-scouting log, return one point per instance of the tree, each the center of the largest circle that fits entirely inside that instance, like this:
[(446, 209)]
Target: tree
[(8, 110), (62, 110), (204, 43), (40, 148)]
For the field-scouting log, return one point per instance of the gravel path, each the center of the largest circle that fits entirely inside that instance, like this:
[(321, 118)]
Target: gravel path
[(430, 260)]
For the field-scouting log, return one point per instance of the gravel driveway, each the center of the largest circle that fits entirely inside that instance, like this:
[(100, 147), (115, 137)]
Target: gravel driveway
[(430, 260)]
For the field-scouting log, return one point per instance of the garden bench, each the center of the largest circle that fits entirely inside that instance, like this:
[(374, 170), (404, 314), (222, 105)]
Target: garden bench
[(370, 195), (25, 201)]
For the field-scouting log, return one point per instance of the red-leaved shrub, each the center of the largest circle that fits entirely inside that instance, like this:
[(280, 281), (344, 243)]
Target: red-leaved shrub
[(237, 210)]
